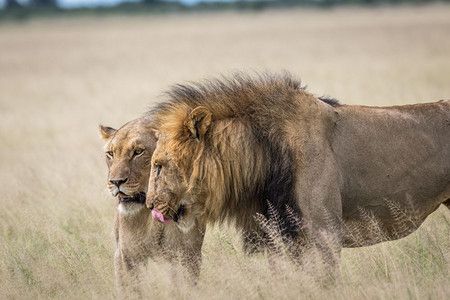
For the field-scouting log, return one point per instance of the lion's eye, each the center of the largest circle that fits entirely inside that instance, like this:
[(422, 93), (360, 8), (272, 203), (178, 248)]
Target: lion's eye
[(138, 152), (109, 154), (158, 168)]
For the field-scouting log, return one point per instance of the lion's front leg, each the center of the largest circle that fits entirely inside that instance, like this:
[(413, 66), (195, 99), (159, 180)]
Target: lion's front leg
[(321, 236), (191, 261), (319, 199), (191, 250)]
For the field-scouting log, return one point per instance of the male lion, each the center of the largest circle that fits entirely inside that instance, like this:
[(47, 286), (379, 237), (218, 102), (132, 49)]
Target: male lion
[(235, 148), (128, 156)]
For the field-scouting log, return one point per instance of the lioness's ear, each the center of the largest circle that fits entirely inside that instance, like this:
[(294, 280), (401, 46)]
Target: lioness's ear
[(106, 132), (198, 121)]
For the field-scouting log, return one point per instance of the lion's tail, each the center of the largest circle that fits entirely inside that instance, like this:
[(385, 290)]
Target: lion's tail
[(447, 203)]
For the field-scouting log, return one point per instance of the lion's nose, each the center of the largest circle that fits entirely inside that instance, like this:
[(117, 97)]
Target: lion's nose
[(150, 203), (149, 200), (118, 182)]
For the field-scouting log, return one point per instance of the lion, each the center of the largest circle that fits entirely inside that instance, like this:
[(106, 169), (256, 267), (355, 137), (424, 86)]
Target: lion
[(128, 156), (238, 148)]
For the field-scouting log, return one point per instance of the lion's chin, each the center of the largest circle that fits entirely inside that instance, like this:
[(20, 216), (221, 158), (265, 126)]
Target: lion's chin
[(185, 223)]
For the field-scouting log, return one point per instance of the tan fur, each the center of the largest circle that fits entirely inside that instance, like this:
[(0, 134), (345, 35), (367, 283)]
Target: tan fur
[(264, 145), (138, 237)]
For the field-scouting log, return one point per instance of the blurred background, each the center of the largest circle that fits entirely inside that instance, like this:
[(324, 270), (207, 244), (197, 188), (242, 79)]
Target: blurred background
[(134, 6), (68, 65)]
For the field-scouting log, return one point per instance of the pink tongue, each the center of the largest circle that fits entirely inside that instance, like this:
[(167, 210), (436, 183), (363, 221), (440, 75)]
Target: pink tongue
[(157, 215)]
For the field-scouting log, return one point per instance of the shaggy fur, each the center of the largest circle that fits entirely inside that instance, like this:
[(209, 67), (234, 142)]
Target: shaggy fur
[(234, 171), (138, 237), (229, 149)]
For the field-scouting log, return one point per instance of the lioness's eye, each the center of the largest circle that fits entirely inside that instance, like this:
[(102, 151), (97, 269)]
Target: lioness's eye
[(109, 154), (138, 152)]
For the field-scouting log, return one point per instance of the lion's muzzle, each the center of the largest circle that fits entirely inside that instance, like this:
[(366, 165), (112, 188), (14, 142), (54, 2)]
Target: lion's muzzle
[(163, 216), (159, 216)]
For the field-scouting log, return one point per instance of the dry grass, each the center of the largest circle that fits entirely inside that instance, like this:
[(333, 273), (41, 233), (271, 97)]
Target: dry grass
[(60, 78)]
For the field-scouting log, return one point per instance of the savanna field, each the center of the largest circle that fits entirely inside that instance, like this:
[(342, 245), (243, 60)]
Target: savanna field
[(60, 78)]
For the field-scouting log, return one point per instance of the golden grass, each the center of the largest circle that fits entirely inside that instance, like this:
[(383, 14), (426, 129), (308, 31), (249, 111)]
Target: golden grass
[(60, 78)]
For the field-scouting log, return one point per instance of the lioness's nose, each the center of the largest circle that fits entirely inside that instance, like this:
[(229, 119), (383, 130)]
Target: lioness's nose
[(118, 182)]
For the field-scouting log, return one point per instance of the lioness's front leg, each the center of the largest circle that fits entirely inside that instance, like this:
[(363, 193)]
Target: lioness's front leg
[(126, 275), (154, 241)]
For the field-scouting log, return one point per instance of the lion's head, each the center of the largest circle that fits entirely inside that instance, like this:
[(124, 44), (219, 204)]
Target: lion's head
[(128, 152), (201, 168), (173, 192)]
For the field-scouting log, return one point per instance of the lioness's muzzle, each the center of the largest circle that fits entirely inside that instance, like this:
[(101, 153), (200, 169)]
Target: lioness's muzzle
[(137, 198)]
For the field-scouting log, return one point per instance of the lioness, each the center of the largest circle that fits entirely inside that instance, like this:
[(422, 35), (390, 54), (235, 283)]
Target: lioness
[(235, 148), (128, 155)]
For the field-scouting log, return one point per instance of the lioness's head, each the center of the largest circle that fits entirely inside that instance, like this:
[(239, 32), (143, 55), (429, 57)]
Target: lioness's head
[(128, 152), (174, 191)]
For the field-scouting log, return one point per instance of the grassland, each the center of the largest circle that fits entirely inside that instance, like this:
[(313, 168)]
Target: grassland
[(60, 78)]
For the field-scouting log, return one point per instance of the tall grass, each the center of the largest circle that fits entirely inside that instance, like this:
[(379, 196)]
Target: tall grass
[(60, 78)]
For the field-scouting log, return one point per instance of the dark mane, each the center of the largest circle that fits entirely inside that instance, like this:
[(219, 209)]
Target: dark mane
[(236, 95), (239, 94), (236, 85), (262, 102)]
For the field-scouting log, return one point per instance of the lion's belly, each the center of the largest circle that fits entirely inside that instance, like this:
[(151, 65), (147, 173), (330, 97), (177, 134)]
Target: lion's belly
[(385, 221), (395, 171)]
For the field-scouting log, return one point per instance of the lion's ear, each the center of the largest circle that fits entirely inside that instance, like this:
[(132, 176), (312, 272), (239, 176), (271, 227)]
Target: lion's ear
[(199, 121), (154, 133), (106, 132)]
